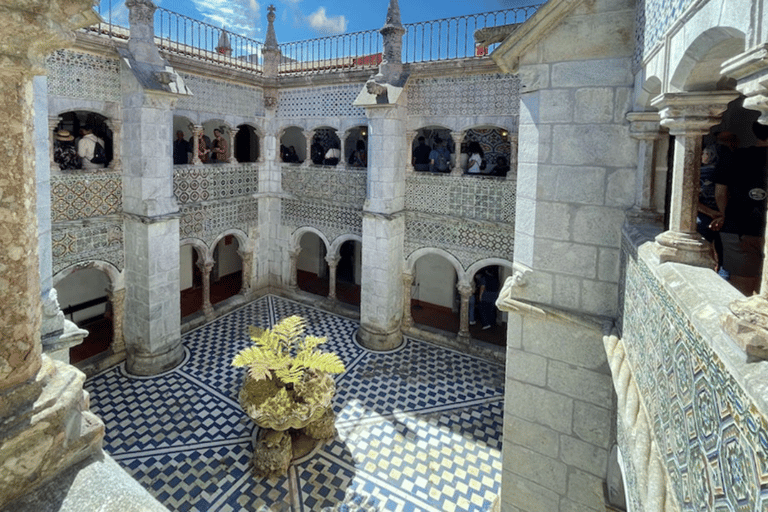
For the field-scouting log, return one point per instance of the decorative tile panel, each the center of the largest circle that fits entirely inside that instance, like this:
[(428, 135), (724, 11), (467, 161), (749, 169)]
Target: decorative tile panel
[(468, 240), (221, 97), (653, 19), (712, 437), (331, 219), (85, 195), (208, 220), (195, 183), (82, 75), (493, 95), (75, 242), (489, 199), (334, 185), (325, 101)]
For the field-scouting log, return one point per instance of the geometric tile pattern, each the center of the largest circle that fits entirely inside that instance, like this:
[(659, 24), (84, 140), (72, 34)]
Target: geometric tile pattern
[(710, 433), (330, 219), (74, 243), (468, 197), (492, 141), (490, 94), (221, 97), (82, 196), (654, 18), (195, 183), (208, 220), (467, 240), (334, 186), (322, 101), (97, 77), (418, 428)]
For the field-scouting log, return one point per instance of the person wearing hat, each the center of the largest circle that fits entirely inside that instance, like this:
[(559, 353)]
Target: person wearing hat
[(64, 152)]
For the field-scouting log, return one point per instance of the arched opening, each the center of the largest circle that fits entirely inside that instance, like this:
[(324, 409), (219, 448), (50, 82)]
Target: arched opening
[(326, 147), (486, 151), (293, 144), (83, 299), (486, 322), (227, 271), (311, 267), (432, 143), (246, 144), (356, 146), (348, 272), (190, 280), (182, 140), (75, 137), (434, 300)]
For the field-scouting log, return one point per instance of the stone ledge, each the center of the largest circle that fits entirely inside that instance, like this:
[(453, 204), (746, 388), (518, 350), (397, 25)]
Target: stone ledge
[(97, 483)]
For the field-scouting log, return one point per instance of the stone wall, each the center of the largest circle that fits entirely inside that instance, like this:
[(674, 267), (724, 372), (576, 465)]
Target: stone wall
[(705, 404)]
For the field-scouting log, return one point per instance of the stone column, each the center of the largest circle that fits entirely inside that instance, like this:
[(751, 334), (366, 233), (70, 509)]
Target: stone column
[(308, 136), (333, 262), (246, 255), (407, 284), (293, 278), (53, 122), (458, 138), (205, 268), (342, 158), (409, 136), (512, 156), (231, 155), (152, 309), (747, 320), (45, 425), (688, 116), (196, 131), (465, 290), (645, 128), (117, 299), (117, 136)]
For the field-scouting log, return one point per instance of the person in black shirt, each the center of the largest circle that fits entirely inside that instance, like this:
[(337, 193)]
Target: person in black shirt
[(180, 149), (421, 155)]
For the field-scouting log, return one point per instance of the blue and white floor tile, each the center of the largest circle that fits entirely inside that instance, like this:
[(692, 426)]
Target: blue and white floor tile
[(418, 428)]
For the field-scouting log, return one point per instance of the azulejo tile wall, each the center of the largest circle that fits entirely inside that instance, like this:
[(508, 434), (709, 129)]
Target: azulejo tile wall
[(490, 199), (83, 75), (475, 95), (78, 242), (337, 186), (207, 221), (195, 183), (333, 220), (84, 195), (653, 19), (467, 240), (325, 101), (221, 97), (711, 436)]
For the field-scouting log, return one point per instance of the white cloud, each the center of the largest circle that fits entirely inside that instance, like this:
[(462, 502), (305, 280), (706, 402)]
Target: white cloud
[(238, 16), (322, 23)]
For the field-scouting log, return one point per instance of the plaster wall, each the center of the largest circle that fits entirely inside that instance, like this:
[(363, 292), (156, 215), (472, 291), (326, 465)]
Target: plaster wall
[(435, 279), (185, 266)]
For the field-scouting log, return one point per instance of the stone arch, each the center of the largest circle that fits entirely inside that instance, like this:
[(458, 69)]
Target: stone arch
[(300, 232), (333, 249), (324, 138), (487, 262), (191, 275), (410, 261), (496, 143), (650, 89), (74, 120), (351, 136), (203, 251), (186, 126), (310, 269), (292, 136), (116, 278), (228, 270), (699, 67), (242, 237)]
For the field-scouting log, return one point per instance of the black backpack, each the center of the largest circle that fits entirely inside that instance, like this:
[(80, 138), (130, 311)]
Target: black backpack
[(99, 156)]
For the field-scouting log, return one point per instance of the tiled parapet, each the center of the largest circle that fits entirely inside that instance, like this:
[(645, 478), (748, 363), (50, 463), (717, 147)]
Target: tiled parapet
[(470, 197), (195, 183), (88, 240), (97, 77), (222, 97), (705, 403), (327, 184), (475, 95), (86, 195), (324, 101), (208, 220)]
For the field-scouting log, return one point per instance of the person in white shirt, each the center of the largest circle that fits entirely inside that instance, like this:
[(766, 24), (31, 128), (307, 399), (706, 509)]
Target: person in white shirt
[(86, 147)]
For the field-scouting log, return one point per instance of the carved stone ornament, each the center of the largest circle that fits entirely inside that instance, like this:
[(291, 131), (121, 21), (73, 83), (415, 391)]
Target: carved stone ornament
[(270, 102), (142, 11), (747, 323)]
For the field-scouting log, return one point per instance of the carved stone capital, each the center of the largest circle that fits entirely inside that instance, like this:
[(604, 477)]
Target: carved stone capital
[(750, 69), (692, 113), (688, 248), (644, 125), (747, 323)]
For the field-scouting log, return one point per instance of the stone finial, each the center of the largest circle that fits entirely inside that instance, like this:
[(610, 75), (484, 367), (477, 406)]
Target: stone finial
[(224, 47), (271, 41), (141, 43), (391, 67), (393, 15)]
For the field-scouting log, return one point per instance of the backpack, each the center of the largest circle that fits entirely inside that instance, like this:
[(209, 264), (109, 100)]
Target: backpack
[(441, 163), (99, 156)]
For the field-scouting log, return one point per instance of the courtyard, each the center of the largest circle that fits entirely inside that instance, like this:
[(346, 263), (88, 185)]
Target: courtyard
[(418, 428)]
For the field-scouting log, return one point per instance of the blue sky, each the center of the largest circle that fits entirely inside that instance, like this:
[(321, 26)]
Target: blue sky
[(308, 19)]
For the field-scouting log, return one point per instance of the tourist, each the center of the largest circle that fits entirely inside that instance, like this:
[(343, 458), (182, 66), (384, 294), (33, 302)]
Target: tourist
[(180, 149), (707, 207), (90, 149), (220, 149), (317, 153), (333, 155), (64, 152), (420, 157), (475, 160), (359, 157), (440, 157)]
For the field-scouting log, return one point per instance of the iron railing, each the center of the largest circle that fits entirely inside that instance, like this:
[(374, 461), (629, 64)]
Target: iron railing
[(426, 41)]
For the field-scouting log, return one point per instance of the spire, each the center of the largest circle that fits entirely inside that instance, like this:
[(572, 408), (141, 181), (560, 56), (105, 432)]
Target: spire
[(271, 41), (391, 67), (224, 47), (393, 16)]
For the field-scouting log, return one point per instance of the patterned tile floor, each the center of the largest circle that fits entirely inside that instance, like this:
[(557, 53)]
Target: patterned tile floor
[(419, 428)]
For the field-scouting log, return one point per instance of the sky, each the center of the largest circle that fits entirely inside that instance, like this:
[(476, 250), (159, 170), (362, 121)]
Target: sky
[(308, 19)]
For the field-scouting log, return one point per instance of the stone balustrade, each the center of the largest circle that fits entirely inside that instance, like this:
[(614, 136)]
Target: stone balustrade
[(330, 184), (196, 183), (84, 195)]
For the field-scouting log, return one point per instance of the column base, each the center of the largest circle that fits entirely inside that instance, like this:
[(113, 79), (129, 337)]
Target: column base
[(688, 248), (144, 364), (747, 324), (46, 428), (378, 340)]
